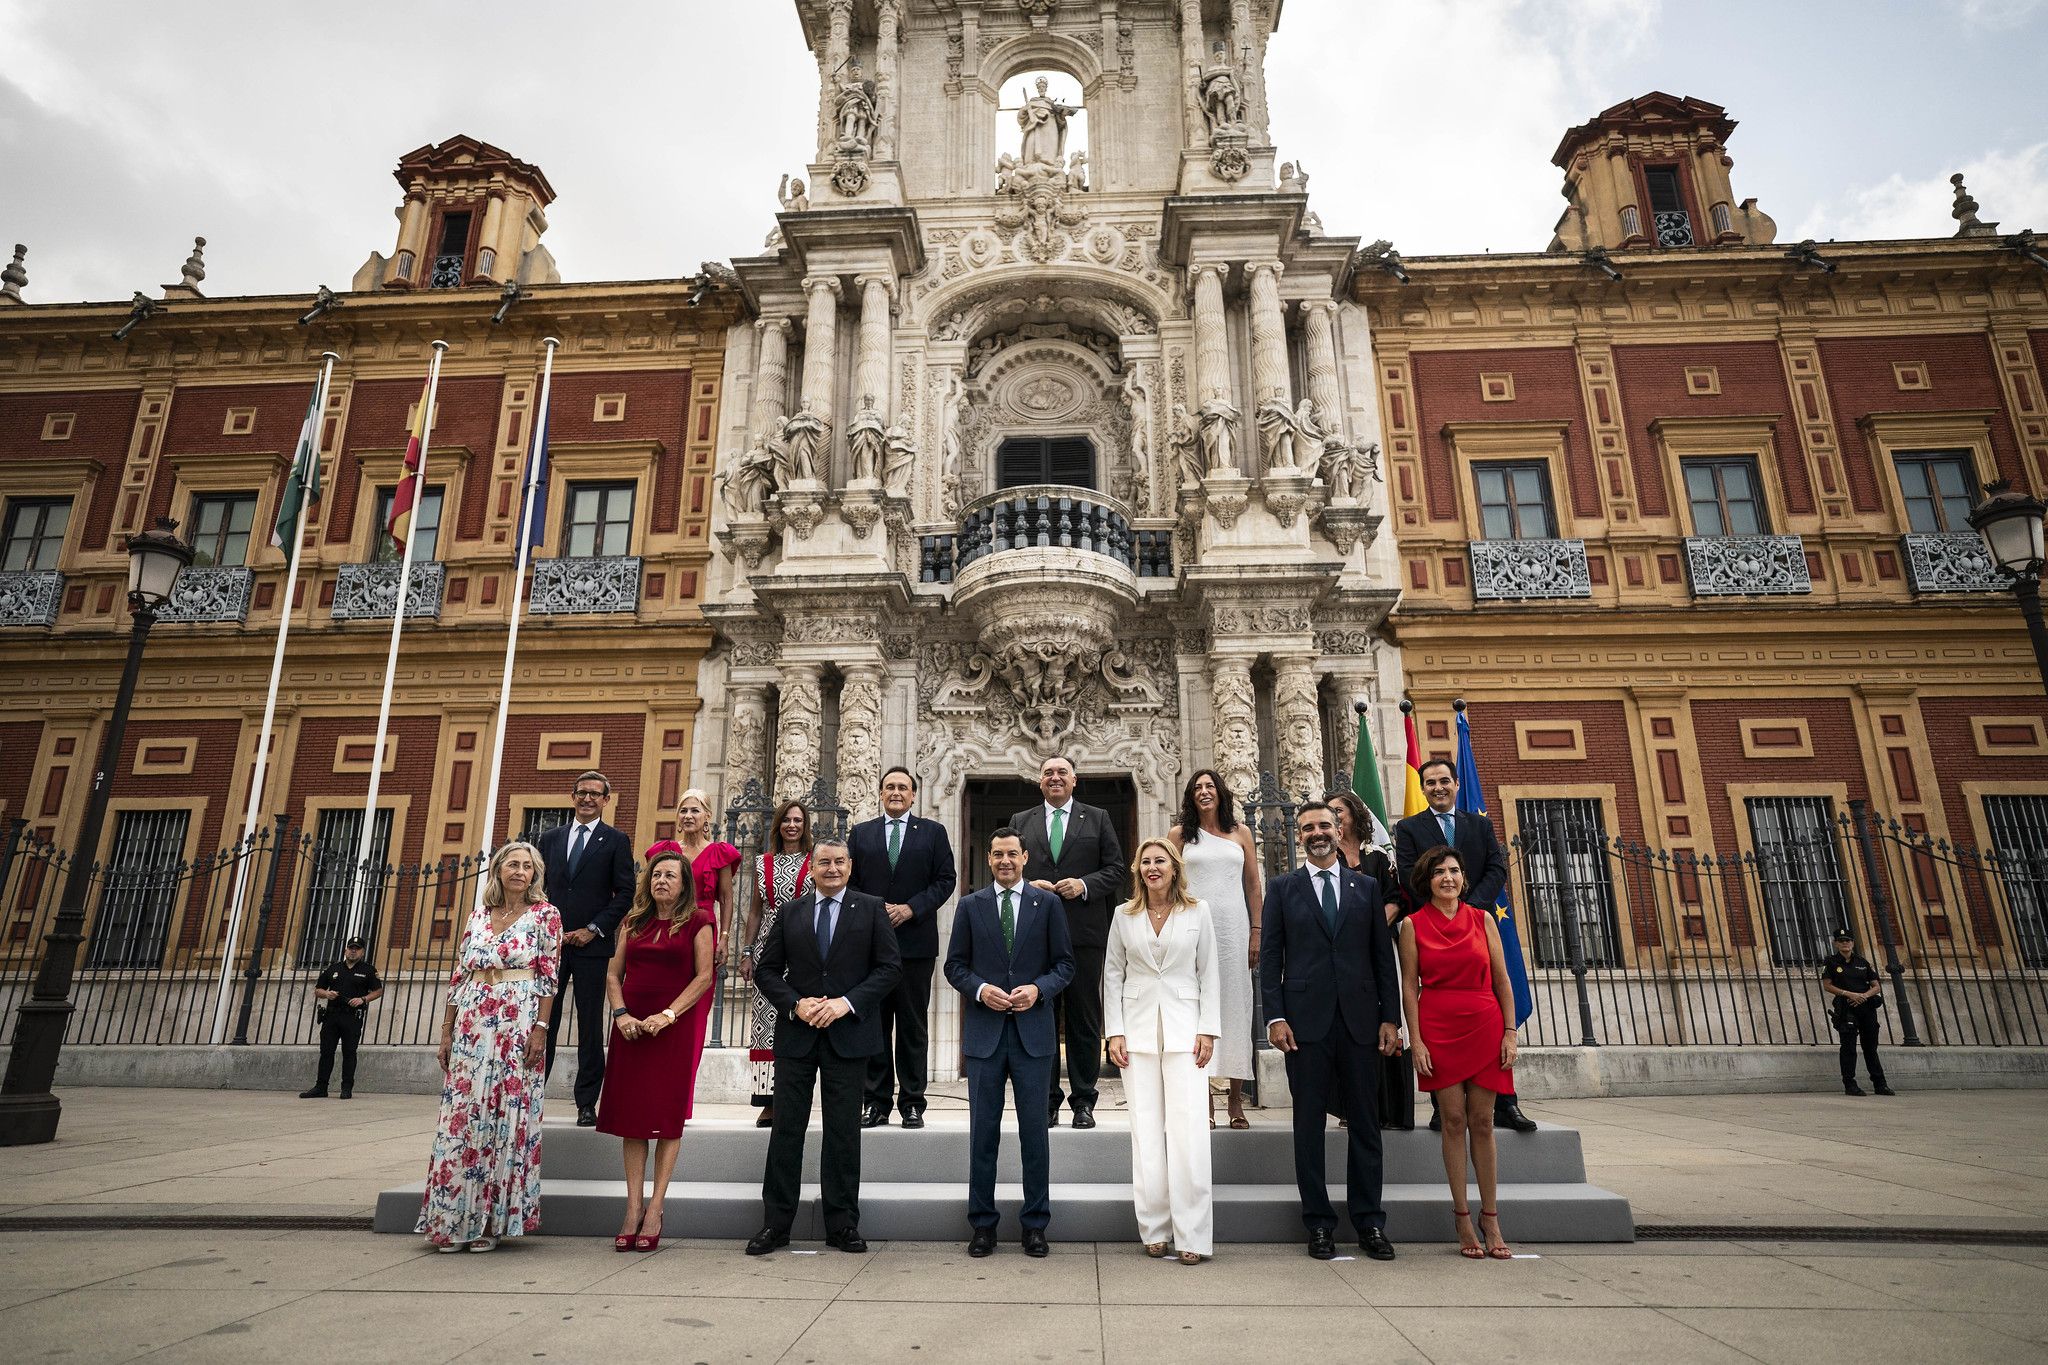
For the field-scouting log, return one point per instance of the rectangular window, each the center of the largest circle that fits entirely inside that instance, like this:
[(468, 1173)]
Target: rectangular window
[(1667, 206), (2019, 837), (599, 520), (1068, 461), (35, 533), (139, 889), (426, 527), (1937, 485), (220, 529), (540, 819), (1798, 874), (1578, 879), (452, 252), (1724, 495), (333, 883), (1514, 501)]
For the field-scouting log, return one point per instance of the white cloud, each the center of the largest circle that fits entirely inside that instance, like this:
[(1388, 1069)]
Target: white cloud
[(2011, 189), (1995, 15)]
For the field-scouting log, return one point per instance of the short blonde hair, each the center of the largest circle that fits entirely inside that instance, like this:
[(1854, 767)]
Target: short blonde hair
[(1177, 894), (494, 881), (696, 794)]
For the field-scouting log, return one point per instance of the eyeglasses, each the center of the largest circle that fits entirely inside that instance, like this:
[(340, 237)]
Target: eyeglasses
[(590, 796)]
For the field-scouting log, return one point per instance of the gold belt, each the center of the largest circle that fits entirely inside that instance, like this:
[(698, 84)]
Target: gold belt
[(498, 976)]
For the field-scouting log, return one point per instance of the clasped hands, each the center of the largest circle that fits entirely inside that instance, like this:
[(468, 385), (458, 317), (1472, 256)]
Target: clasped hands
[(1006, 1002), (653, 1024), (820, 1012), (1066, 888)]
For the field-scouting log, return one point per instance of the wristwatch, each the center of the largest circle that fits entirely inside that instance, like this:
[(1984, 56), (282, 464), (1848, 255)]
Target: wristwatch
[(619, 1011), (671, 1015)]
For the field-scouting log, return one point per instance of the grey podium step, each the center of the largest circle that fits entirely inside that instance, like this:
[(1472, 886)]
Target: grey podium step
[(913, 1186)]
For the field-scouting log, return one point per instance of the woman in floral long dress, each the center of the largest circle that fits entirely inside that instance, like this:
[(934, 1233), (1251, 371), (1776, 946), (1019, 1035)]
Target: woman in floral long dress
[(483, 1177), (781, 875)]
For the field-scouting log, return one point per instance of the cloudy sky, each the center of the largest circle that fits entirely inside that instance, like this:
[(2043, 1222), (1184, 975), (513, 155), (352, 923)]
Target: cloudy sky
[(271, 128)]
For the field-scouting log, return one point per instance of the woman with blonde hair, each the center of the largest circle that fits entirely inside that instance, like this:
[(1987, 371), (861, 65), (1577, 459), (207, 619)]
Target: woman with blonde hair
[(711, 860), (483, 1176), (782, 875), (1162, 1007)]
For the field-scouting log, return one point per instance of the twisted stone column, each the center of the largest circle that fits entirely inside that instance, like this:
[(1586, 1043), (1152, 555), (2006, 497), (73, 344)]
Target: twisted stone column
[(1299, 747), (799, 729), (746, 737), (888, 29), (1319, 333), (1212, 344), (771, 376), (1235, 726), (1269, 333), (871, 354), (821, 344), (838, 44), (1192, 54), (860, 740)]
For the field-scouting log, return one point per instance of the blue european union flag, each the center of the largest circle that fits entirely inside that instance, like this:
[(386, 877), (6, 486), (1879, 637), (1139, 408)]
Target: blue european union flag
[(1472, 800)]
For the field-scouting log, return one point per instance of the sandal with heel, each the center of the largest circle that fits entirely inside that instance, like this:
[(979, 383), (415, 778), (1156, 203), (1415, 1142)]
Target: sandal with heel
[(1499, 1251), (1471, 1251), (643, 1242)]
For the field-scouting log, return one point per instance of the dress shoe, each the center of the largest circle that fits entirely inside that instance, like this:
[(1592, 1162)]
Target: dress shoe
[(1034, 1242), (847, 1239), (316, 1093), (1436, 1122), (1508, 1114), (1322, 1244), (766, 1240), (1881, 1088), (983, 1243), (874, 1116), (914, 1119), (586, 1116), (1084, 1117), (1374, 1244), (347, 1093), (1052, 1117), (1851, 1088)]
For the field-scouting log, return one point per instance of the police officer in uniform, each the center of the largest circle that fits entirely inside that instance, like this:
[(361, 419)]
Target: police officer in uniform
[(343, 992), (1857, 996)]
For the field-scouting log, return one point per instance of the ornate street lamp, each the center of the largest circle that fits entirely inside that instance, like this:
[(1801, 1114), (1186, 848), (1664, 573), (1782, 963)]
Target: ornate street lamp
[(28, 1111), (2010, 523)]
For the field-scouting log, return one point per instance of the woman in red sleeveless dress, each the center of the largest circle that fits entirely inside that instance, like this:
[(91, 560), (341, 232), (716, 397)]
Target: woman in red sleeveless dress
[(659, 986), (1454, 986)]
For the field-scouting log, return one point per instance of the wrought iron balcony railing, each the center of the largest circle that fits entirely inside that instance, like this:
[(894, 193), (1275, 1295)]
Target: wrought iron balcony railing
[(211, 595), (447, 272), (1954, 561), (1505, 570), (369, 592), (1747, 566), (1046, 516), (584, 585), (30, 597)]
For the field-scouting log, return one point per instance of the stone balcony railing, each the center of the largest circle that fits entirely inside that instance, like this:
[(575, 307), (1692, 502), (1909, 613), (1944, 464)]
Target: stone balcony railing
[(212, 595), (369, 592), (1952, 562), (1042, 517), (1747, 566), (1507, 570), (585, 585), (30, 597)]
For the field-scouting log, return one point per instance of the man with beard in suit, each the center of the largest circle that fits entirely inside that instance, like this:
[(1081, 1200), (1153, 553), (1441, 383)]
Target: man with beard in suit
[(589, 874)]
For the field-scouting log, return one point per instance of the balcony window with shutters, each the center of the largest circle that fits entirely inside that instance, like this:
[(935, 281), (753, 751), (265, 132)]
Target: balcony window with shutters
[(333, 886), (140, 889), (2019, 840), (1725, 497), (599, 520), (34, 536), (220, 529), (1672, 223), (426, 528), (1799, 875), (1936, 485), (451, 253), (1025, 460), (1514, 501), (538, 820)]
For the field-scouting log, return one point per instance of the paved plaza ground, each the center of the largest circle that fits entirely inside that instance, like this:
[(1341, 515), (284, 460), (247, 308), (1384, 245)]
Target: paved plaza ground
[(1951, 1162)]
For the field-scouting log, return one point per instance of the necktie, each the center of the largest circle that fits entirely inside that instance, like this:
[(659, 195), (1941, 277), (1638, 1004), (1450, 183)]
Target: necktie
[(1329, 881), (826, 908), (1059, 833), (895, 842), (1009, 922), (576, 847), (1450, 828)]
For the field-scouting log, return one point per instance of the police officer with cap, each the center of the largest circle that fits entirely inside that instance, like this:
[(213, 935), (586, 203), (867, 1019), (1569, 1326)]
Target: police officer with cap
[(1857, 995), (343, 992)]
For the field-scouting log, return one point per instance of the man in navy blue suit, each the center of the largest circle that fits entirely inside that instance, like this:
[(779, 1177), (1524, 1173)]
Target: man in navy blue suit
[(1010, 956), (908, 864), (1333, 1006), (589, 874)]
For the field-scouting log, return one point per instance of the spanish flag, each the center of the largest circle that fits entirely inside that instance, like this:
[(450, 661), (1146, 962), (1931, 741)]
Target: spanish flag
[(1413, 802), (407, 495)]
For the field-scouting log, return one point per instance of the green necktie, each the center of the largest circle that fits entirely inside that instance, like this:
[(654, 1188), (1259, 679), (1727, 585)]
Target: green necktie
[(1059, 833), (1329, 900), (1009, 924), (895, 842)]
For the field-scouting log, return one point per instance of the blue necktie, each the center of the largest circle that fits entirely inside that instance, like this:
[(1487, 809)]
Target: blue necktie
[(576, 848), (1329, 880), (1450, 826), (825, 912)]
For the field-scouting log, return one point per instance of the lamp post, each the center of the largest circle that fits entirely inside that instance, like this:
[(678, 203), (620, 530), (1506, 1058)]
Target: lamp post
[(2010, 523), (28, 1110)]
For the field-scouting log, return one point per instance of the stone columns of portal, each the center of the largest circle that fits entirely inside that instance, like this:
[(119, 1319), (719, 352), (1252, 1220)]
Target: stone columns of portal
[(1298, 717), (1234, 725), (799, 729), (1319, 331), (838, 46), (871, 355), (1269, 334), (746, 737), (771, 376), (1192, 54), (1212, 343), (888, 22), (860, 740), (821, 345)]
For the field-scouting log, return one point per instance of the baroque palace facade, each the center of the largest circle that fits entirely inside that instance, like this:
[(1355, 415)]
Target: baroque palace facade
[(1017, 439)]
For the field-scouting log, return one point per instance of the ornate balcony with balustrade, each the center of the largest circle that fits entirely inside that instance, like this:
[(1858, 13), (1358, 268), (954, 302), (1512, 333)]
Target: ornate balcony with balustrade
[(1518, 570), (585, 585), (209, 596), (1747, 566), (369, 592), (1954, 561), (1045, 517), (31, 598)]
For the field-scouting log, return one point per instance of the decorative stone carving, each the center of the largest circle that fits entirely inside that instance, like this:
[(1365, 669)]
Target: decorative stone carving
[(1137, 396), (900, 454), (1230, 162), (750, 482), (1347, 525), (14, 277), (799, 728), (1236, 726), (803, 439), (1038, 9), (1101, 344), (860, 739), (1298, 720), (1219, 433), (1288, 493), (1347, 470), (1225, 496), (746, 733), (862, 508), (849, 177), (855, 113), (1077, 172), (825, 623), (1283, 429), (194, 270), (801, 509), (1043, 120), (1344, 641), (1287, 619), (1222, 94), (1293, 178), (1040, 208), (866, 438), (1186, 443), (792, 196), (754, 651)]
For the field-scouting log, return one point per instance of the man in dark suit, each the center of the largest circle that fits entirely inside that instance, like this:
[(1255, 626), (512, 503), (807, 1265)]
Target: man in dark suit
[(1333, 1006), (1479, 849), (1010, 957), (589, 870), (825, 967), (1071, 850), (908, 863)]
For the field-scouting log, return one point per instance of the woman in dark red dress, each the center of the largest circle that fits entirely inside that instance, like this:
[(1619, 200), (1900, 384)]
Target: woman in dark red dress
[(1454, 986), (659, 986)]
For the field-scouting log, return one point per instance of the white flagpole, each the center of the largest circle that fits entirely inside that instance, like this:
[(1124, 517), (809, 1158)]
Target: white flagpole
[(419, 494), (547, 377), (255, 806)]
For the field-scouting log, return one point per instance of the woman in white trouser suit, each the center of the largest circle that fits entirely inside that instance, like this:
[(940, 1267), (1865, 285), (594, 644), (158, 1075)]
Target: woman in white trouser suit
[(1162, 1008)]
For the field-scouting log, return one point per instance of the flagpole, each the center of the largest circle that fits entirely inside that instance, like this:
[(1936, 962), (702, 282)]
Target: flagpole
[(254, 810), (419, 477), (534, 473)]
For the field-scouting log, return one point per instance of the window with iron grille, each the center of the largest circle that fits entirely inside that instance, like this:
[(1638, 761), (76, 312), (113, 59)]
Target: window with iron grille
[(220, 529), (1667, 206), (1578, 878), (449, 257), (139, 889), (2019, 836), (1798, 875), (540, 819), (1514, 500), (1724, 495), (325, 923), (599, 520), (426, 528), (1068, 460), (1936, 485), (35, 533)]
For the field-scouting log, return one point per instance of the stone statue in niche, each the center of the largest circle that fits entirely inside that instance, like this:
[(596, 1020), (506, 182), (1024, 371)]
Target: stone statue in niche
[(1219, 441), (953, 412), (1187, 448), (804, 434), (854, 107), (865, 440), (1137, 395), (1344, 469), (902, 453), (751, 481), (1044, 121), (1277, 432), (1222, 96)]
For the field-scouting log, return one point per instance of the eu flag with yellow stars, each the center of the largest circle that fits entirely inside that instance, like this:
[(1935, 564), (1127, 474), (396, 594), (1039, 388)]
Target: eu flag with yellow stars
[(1472, 801)]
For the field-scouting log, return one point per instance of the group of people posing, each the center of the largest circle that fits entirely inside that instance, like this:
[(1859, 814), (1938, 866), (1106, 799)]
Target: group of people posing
[(1150, 962)]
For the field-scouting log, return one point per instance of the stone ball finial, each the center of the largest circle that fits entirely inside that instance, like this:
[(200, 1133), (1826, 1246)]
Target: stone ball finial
[(1965, 212), (14, 275), (194, 269)]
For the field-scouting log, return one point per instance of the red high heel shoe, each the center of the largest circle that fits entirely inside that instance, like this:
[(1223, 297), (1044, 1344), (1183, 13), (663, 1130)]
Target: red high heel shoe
[(1502, 1252), (645, 1243), (1470, 1253)]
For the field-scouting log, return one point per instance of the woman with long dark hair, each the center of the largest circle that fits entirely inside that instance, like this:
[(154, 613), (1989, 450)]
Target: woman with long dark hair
[(781, 874), (1222, 867)]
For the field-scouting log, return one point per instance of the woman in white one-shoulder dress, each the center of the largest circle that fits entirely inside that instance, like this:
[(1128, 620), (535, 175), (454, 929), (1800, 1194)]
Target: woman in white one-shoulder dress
[(1222, 866)]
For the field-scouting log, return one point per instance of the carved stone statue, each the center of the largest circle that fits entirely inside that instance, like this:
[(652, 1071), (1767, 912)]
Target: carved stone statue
[(751, 480), (1293, 178), (1277, 432), (953, 409), (902, 455), (1187, 448), (792, 196), (1137, 395), (1044, 121), (1222, 99), (1008, 181), (865, 439), (1219, 441), (854, 115), (1077, 172), (804, 433)]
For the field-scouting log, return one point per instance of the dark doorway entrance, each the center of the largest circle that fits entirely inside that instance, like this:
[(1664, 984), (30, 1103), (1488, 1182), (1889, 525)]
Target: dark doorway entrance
[(991, 801)]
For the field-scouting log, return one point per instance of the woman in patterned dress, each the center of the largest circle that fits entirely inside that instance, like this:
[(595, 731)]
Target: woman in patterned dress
[(780, 875), (483, 1177)]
